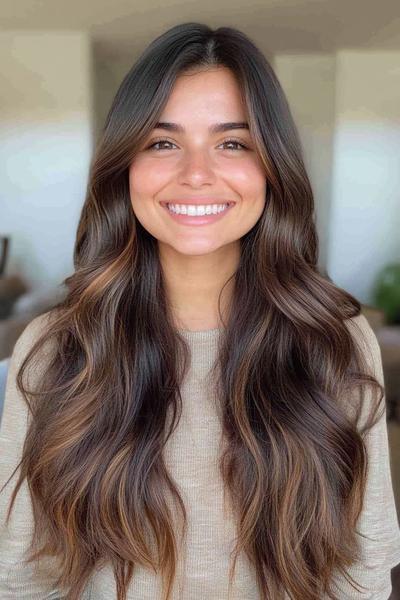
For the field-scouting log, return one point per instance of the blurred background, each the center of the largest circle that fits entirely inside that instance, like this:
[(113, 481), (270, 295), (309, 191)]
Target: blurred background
[(339, 64)]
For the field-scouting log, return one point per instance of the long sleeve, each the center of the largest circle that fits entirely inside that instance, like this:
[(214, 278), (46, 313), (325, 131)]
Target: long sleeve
[(378, 519), (19, 581)]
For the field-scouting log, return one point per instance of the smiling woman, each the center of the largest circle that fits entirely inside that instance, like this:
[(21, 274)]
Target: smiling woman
[(203, 416), (199, 190)]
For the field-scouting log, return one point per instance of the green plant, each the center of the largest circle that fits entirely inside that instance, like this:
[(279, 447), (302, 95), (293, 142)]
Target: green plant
[(386, 292)]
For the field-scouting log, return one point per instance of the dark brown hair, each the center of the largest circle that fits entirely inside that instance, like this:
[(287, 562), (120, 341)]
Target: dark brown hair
[(288, 368)]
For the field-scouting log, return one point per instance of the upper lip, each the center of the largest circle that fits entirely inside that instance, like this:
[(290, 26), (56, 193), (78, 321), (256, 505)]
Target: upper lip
[(197, 201)]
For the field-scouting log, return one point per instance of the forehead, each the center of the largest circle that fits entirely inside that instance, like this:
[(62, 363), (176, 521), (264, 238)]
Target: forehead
[(207, 94)]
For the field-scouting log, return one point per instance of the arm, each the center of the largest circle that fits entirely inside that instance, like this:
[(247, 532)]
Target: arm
[(378, 519), (19, 581)]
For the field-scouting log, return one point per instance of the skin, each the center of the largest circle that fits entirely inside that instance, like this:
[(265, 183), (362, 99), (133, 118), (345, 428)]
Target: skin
[(197, 260)]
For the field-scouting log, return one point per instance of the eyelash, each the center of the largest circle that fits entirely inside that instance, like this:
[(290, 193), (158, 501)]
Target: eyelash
[(232, 141)]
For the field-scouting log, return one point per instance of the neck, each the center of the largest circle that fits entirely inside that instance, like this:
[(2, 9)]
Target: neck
[(194, 283)]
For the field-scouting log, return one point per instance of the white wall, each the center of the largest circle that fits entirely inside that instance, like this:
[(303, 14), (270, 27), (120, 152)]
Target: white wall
[(46, 123), (308, 81), (365, 213)]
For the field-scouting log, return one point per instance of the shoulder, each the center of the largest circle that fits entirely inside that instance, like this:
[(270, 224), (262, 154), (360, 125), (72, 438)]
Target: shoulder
[(360, 327), (33, 330), (380, 552), (15, 414), (30, 334), (363, 400), (366, 340)]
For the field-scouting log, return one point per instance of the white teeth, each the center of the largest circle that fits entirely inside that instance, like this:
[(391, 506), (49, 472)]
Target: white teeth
[(197, 210)]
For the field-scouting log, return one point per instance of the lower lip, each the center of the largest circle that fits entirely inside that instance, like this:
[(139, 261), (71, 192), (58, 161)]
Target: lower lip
[(200, 220)]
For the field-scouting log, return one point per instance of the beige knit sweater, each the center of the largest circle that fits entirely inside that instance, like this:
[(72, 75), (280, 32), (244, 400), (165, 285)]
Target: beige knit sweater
[(191, 456)]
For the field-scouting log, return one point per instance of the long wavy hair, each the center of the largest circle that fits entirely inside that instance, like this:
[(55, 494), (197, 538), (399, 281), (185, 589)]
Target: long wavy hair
[(295, 461)]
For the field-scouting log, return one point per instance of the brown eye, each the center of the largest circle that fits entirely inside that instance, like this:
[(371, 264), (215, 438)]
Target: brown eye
[(242, 146), (154, 144)]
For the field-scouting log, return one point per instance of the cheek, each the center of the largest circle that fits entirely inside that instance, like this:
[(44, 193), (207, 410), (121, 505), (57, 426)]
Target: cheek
[(249, 180), (145, 180)]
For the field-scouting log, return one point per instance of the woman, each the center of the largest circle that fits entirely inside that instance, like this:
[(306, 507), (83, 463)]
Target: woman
[(206, 410)]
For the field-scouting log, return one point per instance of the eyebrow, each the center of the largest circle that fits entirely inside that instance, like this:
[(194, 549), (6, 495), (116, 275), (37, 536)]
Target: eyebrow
[(215, 128)]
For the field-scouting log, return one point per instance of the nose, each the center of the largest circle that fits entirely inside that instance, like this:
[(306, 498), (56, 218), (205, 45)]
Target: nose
[(197, 168)]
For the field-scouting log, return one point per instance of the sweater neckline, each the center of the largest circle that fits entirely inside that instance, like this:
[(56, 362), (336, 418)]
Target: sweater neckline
[(200, 335)]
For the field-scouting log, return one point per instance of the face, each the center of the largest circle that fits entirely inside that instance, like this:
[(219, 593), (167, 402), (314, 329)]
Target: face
[(193, 164)]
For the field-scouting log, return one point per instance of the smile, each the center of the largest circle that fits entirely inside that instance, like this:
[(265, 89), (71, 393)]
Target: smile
[(197, 214)]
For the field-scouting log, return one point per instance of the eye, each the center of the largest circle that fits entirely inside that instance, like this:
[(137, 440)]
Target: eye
[(159, 142), (239, 145), (242, 146)]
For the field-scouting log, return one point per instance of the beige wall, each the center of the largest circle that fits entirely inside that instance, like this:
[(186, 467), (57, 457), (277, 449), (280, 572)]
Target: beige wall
[(46, 127), (309, 84), (109, 72)]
